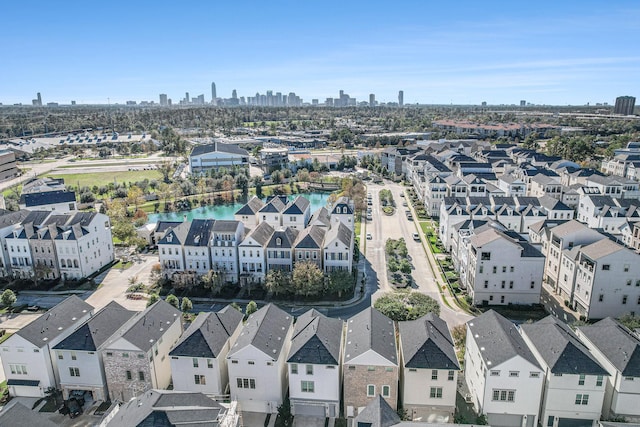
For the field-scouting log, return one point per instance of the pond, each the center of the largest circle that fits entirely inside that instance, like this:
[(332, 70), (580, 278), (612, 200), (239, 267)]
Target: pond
[(317, 200)]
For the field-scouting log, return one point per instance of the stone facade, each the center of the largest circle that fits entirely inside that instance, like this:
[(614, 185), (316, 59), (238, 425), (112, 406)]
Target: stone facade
[(116, 365), (357, 378)]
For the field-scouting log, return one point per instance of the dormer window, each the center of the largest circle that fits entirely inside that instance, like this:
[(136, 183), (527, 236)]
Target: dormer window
[(279, 241)]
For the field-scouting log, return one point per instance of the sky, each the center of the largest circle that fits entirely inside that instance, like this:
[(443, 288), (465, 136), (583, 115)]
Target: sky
[(557, 52)]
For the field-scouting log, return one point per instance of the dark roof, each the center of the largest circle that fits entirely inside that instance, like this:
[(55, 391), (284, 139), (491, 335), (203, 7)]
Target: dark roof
[(275, 205), (316, 339), (220, 147), (145, 328), (25, 383), (176, 235), (37, 218), (426, 343), (225, 226), (208, 334), (48, 198), (262, 233), (265, 330), (8, 218), (367, 330), (310, 238), (320, 217), (17, 414), (97, 330), (55, 322), (251, 207), (287, 236), (377, 413), (499, 338), (342, 202), (560, 348), (164, 408), (298, 206), (618, 344), (162, 226), (199, 232)]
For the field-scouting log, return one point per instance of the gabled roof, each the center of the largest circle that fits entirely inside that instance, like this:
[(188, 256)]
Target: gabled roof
[(266, 330), (569, 227), (176, 235), (9, 218), (225, 226), (601, 248), (261, 234), (310, 238), (199, 232), (618, 344), (371, 330), (426, 343), (251, 207), (219, 147), (55, 322), (145, 328), (377, 413), (275, 205), (551, 204), (498, 339), (98, 329), (297, 207), (162, 226), (560, 349), (287, 236), (208, 334), (49, 198), (37, 218), (320, 218), (316, 339), (338, 231), (342, 202)]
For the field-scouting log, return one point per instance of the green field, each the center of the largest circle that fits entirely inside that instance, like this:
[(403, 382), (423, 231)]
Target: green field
[(103, 178)]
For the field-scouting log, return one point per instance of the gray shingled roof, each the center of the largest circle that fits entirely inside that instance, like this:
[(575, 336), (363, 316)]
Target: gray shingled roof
[(98, 329), (498, 339), (320, 217), (275, 205), (377, 413), (55, 322), (560, 348), (251, 207), (145, 328), (199, 232), (266, 330), (37, 218), (310, 238), (225, 226), (16, 414), (176, 235), (287, 236), (162, 226), (426, 343), (8, 218), (49, 198), (618, 344), (297, 207), (338, 231), (602, 248), (316, 339), (208, 334), (262, 233), (342, 202), (371, 330)]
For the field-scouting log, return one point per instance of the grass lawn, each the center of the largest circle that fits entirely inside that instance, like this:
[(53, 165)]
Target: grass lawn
[(104, 178), (4, 338), (122, 265)]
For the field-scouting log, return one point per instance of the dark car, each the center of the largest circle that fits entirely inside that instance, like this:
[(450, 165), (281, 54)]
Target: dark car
[(75, 408)]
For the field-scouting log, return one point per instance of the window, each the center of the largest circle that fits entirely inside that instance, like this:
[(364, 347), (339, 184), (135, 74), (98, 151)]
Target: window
[(388, 369), (582, 399), (485, 256), (435, 393), (352, 368), (18, 369), (513, 374), (125, 354), (307, 386), (495, 373), (486, 284), (73, 355), (503, 395), (606, 267), (109, 354), (294, 368), (495, 269), (599, 380), (128, 375), (371, 368), (386, 391), (481, 269), (251, 362), (60, 356), (550, 421), (624, 299), (511, 269), (434, 374), (246, 383), (371, 390), (581, 379), (502, 284), (309, 369), (451, 375), (199, 380), (74, 372), (534, 374), (504, 268), (141, 375), (601, 297)]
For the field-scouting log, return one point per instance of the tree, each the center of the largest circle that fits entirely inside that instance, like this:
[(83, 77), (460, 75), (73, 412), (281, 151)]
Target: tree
[(307, 279), (186, 305), (403, 306), (284, 418), (340, 281), (277, 281), (242, 182), (213, 281), (629, 320), (173, 300), (252, 307), (257, 182), (153, 298), (8, 298)]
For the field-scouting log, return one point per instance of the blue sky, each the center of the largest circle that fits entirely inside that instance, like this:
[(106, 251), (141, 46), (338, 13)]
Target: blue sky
[(546, 52)]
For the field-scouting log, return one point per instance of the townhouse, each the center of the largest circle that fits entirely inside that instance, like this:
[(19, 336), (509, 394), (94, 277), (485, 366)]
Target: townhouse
[(271, 212), (9, 221), (315, 365), (78, 356), (504, 378), (338, 248), (309, 244), (252, 255), (429, 374), (225, 240), (297, 213), (196, 244), (199, 358), (371, 362), (617, 349), (257, 360), (342, 211), (574, 381), (279, 249), (136, 357), (247, 214), (28, 359), (607, 213)]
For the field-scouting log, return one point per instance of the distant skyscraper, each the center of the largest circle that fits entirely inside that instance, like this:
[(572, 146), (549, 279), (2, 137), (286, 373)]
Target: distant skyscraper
[(523, 103), (484, 103), (187, 99), (401, 98), (625, 105), (372, 100), (234, 94), (40, 99), (163, 99), (214, 97)]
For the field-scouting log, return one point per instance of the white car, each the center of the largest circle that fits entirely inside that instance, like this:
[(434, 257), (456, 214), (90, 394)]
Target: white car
[(416, 237), (369, 236)]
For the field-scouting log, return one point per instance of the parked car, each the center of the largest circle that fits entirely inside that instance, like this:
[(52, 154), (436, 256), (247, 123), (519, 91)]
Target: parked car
[(416, 237), (369, 236), (74, 408)]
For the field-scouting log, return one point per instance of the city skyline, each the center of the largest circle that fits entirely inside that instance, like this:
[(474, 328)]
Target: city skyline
[(546, 53)]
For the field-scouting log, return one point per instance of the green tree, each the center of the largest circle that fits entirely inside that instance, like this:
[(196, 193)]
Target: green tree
[(153, 298), (258, 183), (186, 305), (242, 182), (307, 279), (629, 320), (213, 281), (8, 298), (277, 281), (409, 305), (340, 281), (284, 417), (173, 300), (252, 307)]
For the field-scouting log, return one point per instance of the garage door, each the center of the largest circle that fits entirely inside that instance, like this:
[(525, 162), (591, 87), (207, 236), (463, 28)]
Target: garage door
[(574, 422), (312, 410), (505, 420)]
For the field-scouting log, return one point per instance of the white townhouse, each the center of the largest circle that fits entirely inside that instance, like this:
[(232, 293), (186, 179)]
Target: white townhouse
[(618, 351), (338, 248), (61, 201), (429, 376), (308, 245), (297, 213), (314, 365), (342, 211), (199, 358), (575, 382), (170, 249), (78, 357), (248, 213), (136, 358), (504, 378), (29, 363), (271, 212), (19, 253), (279, 249), (607, 213), (503, 268), (257, 360), (512, 185), (252, 254), (227, 235), (215, 156), (195, 246), (9, 221)]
